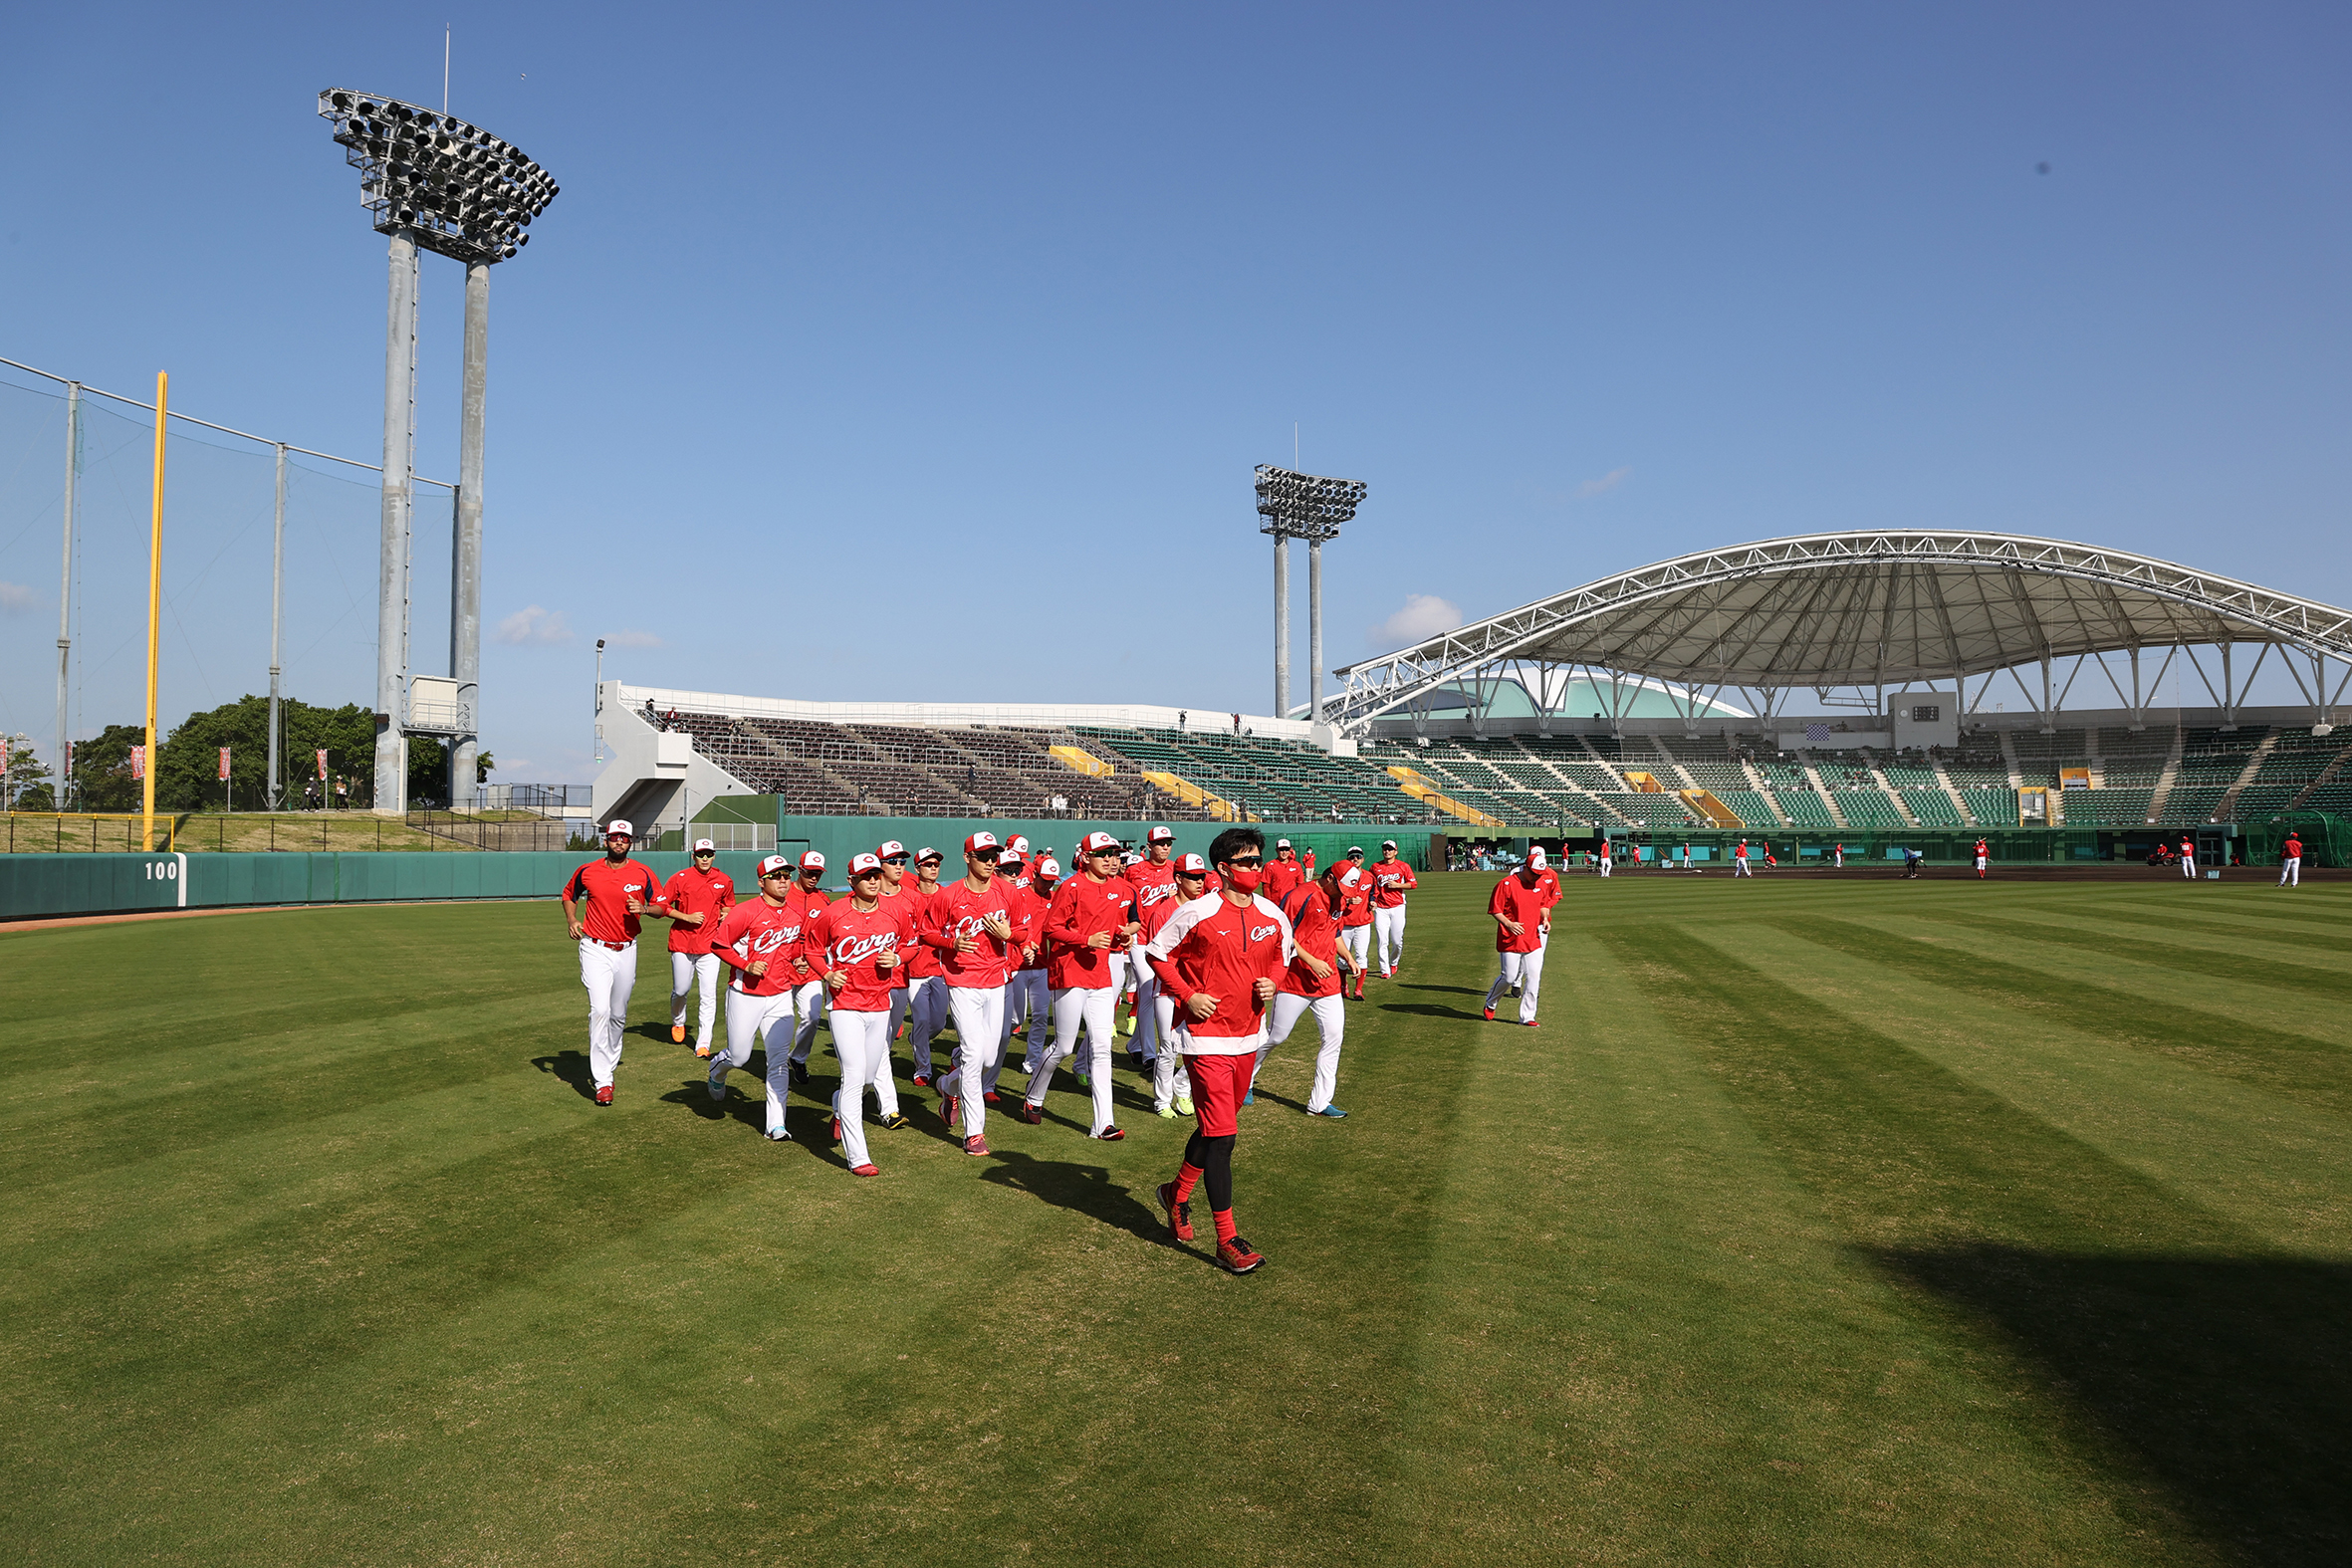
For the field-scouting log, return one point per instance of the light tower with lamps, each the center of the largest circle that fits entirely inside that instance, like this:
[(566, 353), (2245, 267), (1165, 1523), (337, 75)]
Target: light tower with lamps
[(1309, 507), (433, 182)]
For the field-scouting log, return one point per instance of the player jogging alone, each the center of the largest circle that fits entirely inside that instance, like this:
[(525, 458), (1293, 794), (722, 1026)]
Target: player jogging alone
[(1222, 954), (970, 926), (699, 898), (1392, 879), (2290, 861), (854, 947), (758, 940), (1520, 921), (1740, 860), (614, 892)]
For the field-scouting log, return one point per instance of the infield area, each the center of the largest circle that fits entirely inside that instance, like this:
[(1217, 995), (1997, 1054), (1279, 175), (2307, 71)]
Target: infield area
[(1823, 1222)]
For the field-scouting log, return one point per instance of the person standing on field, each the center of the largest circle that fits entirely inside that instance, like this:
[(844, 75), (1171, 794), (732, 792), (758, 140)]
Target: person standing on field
[(2290, 860), (1392, 879), (1841, 858), (602, 904), (1223, 955), (760, 940), (699, 898), (1984, 858), (970, 926), (855, 946), (1522, 919), (1740, 860), (1605, 866)]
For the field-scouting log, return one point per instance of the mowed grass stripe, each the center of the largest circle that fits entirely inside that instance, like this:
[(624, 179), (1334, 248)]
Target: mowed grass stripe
[(2076, 931), (1647, 1342)]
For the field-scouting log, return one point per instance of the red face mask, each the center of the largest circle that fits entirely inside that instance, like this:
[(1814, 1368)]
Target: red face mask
[(1244, 879)]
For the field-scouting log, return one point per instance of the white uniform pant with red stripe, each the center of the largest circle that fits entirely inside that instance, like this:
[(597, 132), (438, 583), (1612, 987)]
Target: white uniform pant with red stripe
[(687, 970), (1524, 970), (2290, 871), (926, 1016), (1331, 1023), (609, 974), (1027, 1003), (750, 1019), (862, 1042), (1074, 1005), (1170, 1081), (979, 1012), (809, 998), (1150, 1034), (1388, 933)]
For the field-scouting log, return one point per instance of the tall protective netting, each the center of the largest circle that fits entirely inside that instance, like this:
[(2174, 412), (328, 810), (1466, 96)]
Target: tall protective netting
[(219, 508)]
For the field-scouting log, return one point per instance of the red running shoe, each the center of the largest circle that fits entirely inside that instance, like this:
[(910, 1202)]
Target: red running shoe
[(604, 1095), (1179, 1214), (1111, 1134), (1237, 1255), (976, 1145), (836, 1129), (950, 1109), (1030, 1113), (863, 1169), (1490, 1015), (1530, 1023), (922, 1081)]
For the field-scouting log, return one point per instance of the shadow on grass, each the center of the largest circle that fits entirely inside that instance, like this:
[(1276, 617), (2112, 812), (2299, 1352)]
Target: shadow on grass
[(1464, 990), (1432, 1009), (2230, 1379), (1086, 1189), (571, 1066)]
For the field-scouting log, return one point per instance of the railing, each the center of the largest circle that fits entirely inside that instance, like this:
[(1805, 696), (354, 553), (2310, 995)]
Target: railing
[(475, 832), (88, 832)]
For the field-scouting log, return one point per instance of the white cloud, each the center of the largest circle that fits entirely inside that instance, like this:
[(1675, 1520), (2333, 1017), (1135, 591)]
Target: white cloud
[(1603, 485), (634, 639), (1424, 616), (533, 625), (15, 597)]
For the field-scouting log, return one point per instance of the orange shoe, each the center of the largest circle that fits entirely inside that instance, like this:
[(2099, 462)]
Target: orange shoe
[(678, 1035)]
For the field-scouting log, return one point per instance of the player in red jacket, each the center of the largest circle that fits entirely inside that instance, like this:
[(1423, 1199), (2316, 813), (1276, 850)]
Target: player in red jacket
[(2290, 860), (1283, 872), (1154, 880), (758, 940), (1392, 879), (1086, 925), (1312, 983), (699, 898), (970, 926), (601, 903), (1354, 911), (855, 947), (1984, 858), (926, 991), (807, 897), (1223, 954), (1522, 919), (1026, 1006)]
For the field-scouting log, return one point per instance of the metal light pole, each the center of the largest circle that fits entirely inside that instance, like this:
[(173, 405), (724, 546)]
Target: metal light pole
[(275, 778), (436, 183), (1309, 507), (65, 593), (1282, 625)]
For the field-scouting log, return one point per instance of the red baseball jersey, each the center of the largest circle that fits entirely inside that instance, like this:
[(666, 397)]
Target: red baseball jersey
[(1313, 933), (1548, 881), (921, 963), (1391, 881), (755, 931), (804, 903), (606, 889), (2294, 847), (1515, 899), (958, 911), (1223, 949), (1157, 897), (1029, 929), (1082, 907), (1355, 902), (846, 939), (1122, 892), (709, 894), (1281, 876)]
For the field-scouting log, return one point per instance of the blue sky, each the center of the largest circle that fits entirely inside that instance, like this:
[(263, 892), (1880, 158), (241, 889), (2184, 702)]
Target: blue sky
[(851, 321)]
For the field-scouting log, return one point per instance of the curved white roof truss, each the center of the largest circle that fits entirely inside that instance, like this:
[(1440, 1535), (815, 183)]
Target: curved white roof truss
[(1867, 610)]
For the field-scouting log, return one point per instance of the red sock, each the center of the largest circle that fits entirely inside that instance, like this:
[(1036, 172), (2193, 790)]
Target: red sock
[(1223, 1219), (1188, 1176)]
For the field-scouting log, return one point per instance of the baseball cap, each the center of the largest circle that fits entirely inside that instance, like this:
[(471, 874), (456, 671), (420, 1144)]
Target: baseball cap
[(984, 839), (1281, 843), (1161, 835), (927, 853), (1094, 843), (1133, 859), (1191, 865), (1388, 843), (1048, 870), (864, 861), (1011, 855), (1355, 851), (891, 846), (774, 863), (619, 824), (1018, 846), (812, 861), (1350, 877), (1535, 856), (700, 845)]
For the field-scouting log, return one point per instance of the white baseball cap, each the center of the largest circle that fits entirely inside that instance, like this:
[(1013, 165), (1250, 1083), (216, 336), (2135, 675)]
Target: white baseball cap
[(1133, 859), (1048, 870), (812, 861), (700, 845), (1097, 842), (775, 864), (984, 839), (1281, 843), (927, 853), (1018, 846), (1535, 856), (891, 846), (620, 825), (864, 861), (1191, 865), (1388, 843), (1161, 835)]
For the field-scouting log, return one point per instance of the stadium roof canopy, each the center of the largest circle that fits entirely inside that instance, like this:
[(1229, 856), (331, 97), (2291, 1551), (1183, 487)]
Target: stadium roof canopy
[(1866, 610)]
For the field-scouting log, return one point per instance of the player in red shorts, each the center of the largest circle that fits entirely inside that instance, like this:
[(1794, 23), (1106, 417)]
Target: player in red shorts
[(699, 898), (1223, 955), (616, 891)]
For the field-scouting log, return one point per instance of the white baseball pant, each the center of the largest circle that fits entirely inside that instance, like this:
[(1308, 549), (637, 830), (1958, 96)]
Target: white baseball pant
[(1740, 866), (1841, 860), (809, 998), (2189, 865), (1524, 970), (1331, 1023), (610, 974), (862, 1042), (980, 1021), (1149, 1033), (926, 1017), (1358, 942), (1388, 930), (1074, 1005), (750, 1020), (1170, 1081), (687, 970), (1027, 1003), (1607, 863), (2290, 871)]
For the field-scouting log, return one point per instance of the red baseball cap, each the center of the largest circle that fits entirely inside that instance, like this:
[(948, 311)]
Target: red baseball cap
[(774, 863), (812, 861), (1019, 845), (891, 846), (1191, 865), (864, 861), (984, 839), (1048, 870), (927, 853), (1097, 842), (1160, 835)]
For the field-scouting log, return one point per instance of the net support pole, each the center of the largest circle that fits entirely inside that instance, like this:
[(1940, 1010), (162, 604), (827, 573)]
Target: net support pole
[(1281, 626), (154, 613), (465, 580), (65, 595), (277, 625), (400, 456), (1314, 633)]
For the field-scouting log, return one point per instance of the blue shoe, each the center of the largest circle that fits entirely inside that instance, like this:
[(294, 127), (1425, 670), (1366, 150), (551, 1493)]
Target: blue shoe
[(1332, 1111), (1250, 1097)]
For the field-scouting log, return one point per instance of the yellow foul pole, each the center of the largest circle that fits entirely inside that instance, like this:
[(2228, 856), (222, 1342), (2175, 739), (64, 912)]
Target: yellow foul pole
[(154, 605)]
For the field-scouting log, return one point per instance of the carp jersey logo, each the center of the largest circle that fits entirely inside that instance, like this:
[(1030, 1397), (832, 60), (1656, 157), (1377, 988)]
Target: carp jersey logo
[(856, 950), (1261, 933), (767, 941), (1151, 896)]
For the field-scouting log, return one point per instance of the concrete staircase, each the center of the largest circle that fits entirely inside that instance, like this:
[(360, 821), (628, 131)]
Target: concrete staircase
[(2170, 776), (1813, 777), (1756, 782), (2228, 809), (2008, 755)]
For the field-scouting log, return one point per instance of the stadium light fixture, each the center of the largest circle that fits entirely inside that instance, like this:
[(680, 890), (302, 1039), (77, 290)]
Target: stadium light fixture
[(440, 183), (1311, 506)]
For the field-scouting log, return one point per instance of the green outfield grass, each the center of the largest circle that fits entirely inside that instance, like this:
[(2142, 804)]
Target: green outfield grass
[(1823, 1221)]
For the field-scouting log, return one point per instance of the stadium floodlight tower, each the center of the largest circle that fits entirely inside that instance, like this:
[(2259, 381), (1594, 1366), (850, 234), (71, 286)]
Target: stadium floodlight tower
[(436, 183), (1309, 507)]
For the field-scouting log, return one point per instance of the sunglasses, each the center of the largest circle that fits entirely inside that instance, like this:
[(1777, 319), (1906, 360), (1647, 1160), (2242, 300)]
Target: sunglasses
[(776, 876), (894, 860), (867, 876), (706, 854), (1245, 862), (984, 854)]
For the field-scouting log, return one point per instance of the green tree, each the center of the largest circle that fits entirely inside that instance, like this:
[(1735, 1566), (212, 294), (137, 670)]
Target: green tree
[(101, 769), (187, 774), (28, 777), (428, 770)]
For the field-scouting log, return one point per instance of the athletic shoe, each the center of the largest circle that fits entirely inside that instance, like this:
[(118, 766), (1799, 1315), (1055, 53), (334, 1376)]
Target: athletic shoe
[(1183, 1106), (893, 1122), (863, 1169), (1490, 1015), (1332, 1111), (976, 1145), (951, 1109), (703, 1052), (1237, 1255), (836, 1129), (989, 1097), (1082, 1080), (677, 1034), (1137, 1061), (1179, 1214), (604, 1095), (1111, 1134), (1384, 974), (1250, 1097), (1166, 1113), (717, 1086), (1530, 1022), (778, 1135), (1030, 1113), (922, 1081), (799, 1072)]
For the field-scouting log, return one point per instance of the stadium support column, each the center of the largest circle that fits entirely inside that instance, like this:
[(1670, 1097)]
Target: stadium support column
[(1281, 626), (1315, 631), (65, 596), (392, 585), (465, 585)]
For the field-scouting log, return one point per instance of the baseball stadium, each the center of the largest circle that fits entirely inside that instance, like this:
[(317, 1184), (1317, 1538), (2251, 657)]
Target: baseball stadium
[(1821, 1049)]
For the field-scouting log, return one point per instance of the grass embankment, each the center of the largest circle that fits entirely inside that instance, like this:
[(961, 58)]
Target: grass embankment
[(1823, 1222), (252, 832)]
